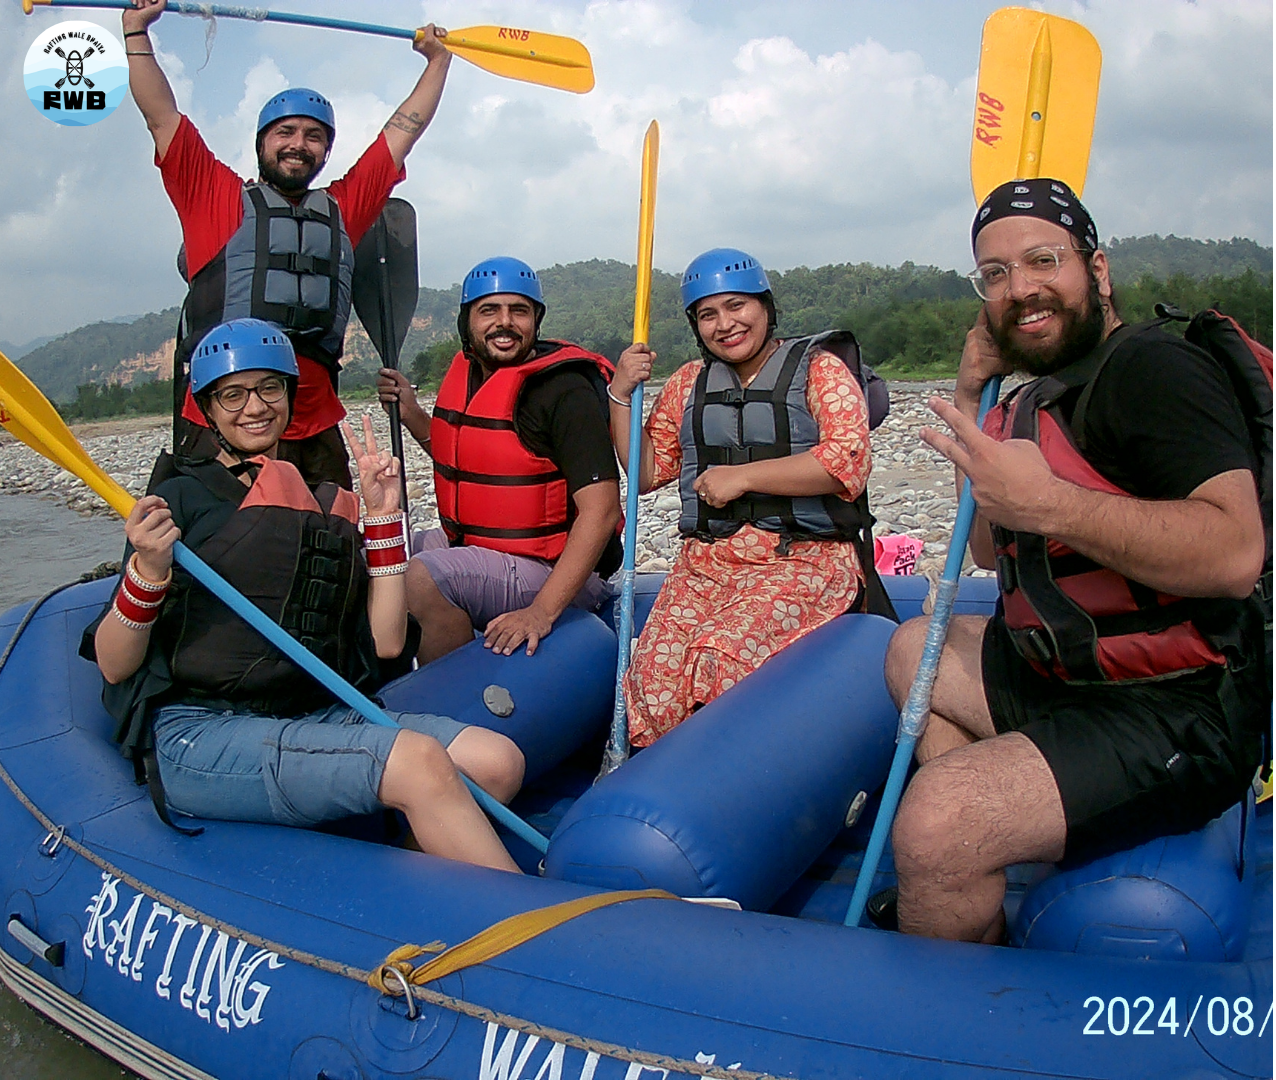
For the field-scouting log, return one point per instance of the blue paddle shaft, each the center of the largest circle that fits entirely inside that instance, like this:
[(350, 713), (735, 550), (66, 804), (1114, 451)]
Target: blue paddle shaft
[(229, 11), (912, 720), (329, 679), (618, 740)]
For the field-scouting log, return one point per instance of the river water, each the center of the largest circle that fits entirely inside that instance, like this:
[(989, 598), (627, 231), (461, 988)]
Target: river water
[(43, 544)]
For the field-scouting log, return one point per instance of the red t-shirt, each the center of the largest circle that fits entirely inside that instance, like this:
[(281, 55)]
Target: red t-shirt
[(208, 198)]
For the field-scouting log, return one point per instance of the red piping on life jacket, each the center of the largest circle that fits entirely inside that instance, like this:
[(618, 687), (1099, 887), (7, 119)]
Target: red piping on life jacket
[(1069, 616)]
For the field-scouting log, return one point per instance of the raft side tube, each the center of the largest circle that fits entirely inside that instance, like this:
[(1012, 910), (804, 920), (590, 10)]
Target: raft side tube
[(562, 696), (739, 799)]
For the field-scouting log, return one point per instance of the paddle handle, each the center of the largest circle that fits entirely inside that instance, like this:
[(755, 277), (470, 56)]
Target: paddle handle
[(617, 751), (330, 680), (226, 11), (912, 720)]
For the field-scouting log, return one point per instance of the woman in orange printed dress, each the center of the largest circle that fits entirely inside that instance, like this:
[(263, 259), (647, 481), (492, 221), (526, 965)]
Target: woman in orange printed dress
[(769, 524)]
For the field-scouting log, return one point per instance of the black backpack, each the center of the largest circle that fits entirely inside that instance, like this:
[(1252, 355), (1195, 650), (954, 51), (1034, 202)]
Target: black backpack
[(1249, 366)]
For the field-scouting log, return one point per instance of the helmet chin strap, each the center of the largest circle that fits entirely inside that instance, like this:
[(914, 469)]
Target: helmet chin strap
[(242, 464)]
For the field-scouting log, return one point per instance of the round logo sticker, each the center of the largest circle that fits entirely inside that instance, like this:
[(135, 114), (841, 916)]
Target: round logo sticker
[(75, 73)]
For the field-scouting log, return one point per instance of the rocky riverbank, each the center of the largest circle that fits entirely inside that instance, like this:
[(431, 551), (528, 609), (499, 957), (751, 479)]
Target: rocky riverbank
[(910, 491)]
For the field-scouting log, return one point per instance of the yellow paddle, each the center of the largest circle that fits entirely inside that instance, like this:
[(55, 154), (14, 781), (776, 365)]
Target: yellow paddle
[(1036, 99), (27, 414), (527, 55), (617, 749)]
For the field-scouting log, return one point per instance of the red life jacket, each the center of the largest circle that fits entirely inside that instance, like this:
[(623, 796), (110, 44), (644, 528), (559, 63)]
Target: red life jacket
[(1067, 615), (491, 490)]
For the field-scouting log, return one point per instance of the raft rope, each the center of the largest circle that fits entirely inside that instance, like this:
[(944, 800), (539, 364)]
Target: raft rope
[(483, 946)]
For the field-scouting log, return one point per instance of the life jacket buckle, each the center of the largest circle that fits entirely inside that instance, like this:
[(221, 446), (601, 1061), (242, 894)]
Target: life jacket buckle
[(1034, 645), (1007, 578)]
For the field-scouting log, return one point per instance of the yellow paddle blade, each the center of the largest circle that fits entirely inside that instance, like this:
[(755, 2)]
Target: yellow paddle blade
[(528, 55), (28, 416), (1036, 100), (646, 232)]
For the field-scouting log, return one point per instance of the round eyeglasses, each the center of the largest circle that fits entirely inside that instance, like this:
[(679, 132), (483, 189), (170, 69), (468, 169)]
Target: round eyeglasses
[(271, 390), (1040, 266)]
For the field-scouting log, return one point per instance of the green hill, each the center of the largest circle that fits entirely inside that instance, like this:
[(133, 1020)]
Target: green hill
[(909, 318)]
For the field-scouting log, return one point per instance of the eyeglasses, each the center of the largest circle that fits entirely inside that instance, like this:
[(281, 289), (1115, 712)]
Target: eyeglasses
[(1040, 266), (233, 398)]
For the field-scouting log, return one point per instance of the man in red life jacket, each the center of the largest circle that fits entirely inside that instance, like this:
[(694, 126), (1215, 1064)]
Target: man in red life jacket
[(526, 481), (274, 248), (1117, 695)]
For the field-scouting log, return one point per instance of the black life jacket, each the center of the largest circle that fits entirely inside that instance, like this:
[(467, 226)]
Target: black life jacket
[(298, 556), (291, 264), (727, 424), (1069, 616)]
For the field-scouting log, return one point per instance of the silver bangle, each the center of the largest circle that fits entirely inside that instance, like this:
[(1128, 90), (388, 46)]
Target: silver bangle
[(622, 404), (385, 519), (393, 570)]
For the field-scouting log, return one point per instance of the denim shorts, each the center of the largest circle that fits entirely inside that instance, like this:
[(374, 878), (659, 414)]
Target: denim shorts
[(485, 583), (296, 771)]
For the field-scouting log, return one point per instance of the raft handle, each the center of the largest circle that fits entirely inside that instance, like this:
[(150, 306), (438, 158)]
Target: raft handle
[(392, 971), (54, 953), (49, 850)]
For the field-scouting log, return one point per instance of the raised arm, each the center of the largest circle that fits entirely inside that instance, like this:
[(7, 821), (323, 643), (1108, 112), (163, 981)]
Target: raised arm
[(379, 485), (146, 82), (412, 117), (633, 367)]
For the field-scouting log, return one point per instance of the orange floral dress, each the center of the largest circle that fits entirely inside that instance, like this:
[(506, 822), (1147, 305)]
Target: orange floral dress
[(728, 605)]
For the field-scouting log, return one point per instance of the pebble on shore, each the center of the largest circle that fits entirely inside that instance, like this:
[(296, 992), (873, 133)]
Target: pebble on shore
[(910, 490)]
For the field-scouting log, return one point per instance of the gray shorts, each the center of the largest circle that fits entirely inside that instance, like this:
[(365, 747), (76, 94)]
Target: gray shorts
[(296, 771), (485, 583)]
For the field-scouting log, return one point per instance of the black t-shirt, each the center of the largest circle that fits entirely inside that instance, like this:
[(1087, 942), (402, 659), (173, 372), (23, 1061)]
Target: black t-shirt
[(1163, 419), (562, 415)]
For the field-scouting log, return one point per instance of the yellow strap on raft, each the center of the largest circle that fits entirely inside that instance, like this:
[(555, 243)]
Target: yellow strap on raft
[(496, 939)]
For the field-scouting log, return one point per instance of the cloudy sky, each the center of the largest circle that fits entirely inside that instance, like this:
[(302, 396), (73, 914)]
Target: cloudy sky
[(807, 131)]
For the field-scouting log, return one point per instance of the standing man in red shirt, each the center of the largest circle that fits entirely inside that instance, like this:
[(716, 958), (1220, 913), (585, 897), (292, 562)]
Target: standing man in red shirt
[(274, 248)]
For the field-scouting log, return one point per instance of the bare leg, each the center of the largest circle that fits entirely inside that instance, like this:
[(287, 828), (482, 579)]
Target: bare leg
[(421, 780), (444, 626), (491, 760), (958, 710), (965, 817)]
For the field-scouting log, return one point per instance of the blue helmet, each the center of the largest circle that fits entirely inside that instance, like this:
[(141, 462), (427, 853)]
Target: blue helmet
[(241, 345), (502, 275), (298, 101), (722, 270)]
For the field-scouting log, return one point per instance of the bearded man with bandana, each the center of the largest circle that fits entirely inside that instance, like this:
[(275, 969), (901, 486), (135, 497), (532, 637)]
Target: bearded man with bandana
[(275, 248), (1116, 695)]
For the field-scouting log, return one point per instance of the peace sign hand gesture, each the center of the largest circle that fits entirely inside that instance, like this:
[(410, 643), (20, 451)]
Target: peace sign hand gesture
[(378, 471), (1011, 481)]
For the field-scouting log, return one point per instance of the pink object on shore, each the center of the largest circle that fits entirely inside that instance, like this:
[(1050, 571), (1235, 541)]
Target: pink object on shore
[(896, 554)]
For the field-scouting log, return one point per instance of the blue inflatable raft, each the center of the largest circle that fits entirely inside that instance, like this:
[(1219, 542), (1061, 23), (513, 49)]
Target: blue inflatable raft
[(245, 951)]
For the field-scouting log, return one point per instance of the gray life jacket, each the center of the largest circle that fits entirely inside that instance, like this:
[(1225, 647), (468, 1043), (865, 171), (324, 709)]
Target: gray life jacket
[(289, 264), (725, 424)]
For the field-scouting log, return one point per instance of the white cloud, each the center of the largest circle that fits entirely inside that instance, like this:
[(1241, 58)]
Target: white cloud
[(807, 132)]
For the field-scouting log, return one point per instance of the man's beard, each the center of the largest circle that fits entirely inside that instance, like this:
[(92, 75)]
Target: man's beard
[(1082, 332), (284, 183), (480, 349)]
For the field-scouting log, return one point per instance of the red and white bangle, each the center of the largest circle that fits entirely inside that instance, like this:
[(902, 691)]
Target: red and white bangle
[(137, 600), (385, 545)]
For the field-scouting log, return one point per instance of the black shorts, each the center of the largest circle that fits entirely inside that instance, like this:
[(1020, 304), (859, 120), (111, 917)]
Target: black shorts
[(1132, 762)]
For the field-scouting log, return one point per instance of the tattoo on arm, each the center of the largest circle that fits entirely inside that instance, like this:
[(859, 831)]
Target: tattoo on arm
[(410, 123)]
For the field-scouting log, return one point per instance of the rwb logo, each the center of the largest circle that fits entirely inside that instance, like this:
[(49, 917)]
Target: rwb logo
[(76, 73)]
